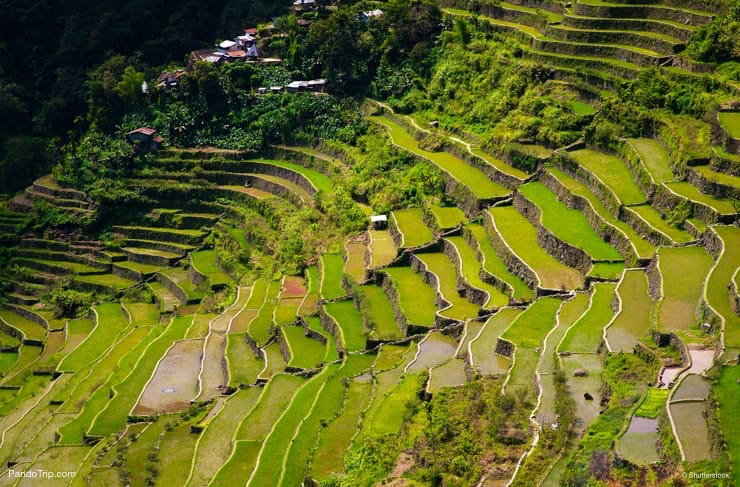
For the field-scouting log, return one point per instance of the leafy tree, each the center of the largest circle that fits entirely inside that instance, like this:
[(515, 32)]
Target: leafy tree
[(719, 40)]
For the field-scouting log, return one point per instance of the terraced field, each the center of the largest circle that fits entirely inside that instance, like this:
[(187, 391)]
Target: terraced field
[(613, 173), (472, 178), (411, 227), (683, 271), (440, 265), (570, 225), (523, 314), (632, 320), (520, 237)]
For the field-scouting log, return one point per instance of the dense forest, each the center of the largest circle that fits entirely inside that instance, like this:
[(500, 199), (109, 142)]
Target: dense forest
[(549, 172)]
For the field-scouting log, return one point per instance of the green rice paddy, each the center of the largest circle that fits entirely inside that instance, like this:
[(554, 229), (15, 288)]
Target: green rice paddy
[(644, 248), (448, 216), (411, 224), (270, 465), (585, 335), (483, 345), (243, 365), (499, 164), (442, 267), (332, 270), (731, 122), (111, 321), (382, 248), (613, 173), (692, 430), (718, 177), (205, 262), (567, 224), (259, 327), (683, 270), (494, 265), (350, 324), (417, 298), (719, 279), (306, 352), (380, 314), (530, 327), (320, 181), (655, 157), (471, 273), (633, 321), (654, 219), (729, 414), (354, 266), (653, 404), (113, 417), (688, 191), (30, 329), (521, 237), (479, 184)]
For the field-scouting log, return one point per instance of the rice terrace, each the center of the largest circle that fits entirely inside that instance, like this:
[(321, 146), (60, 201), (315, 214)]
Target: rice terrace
[(380, 242)]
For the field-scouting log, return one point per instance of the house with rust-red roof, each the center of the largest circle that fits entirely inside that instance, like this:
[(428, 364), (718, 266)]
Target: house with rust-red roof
[(144, 139)]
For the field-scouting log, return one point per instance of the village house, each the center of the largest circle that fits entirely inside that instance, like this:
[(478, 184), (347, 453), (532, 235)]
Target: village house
[(170, 79), (371, 14), (303, 5), (144, 140)]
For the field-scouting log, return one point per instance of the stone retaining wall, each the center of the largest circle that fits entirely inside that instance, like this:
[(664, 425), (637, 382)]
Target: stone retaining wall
[(622, 24), (486, 276), (483, 166), (472, 294), (150, 259), (725, 164), (505, 347), (284, 347), (61, 193), (629, 154), (172, 287), (734, 293), (731, 144), (714, 188), (560, 250), (643, 228), (77, 259), (197, 277), (614, 37), (394, 232), (581, 63), (29, 315), (607, 232), (141, 233), (654, 278), (155, 245), (127, 273), (306, 160), (37, 243), (599, 51), (565, 163), (431, 278), (512, 262), (386, 283), (330, 325), (639, 12), (258, 168)]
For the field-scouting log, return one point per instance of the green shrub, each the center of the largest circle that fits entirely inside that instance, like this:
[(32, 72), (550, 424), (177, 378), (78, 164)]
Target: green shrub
[(69, 303)]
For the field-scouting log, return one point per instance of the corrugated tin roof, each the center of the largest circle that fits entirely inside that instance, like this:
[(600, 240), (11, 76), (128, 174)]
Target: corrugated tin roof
[(142, 130)]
